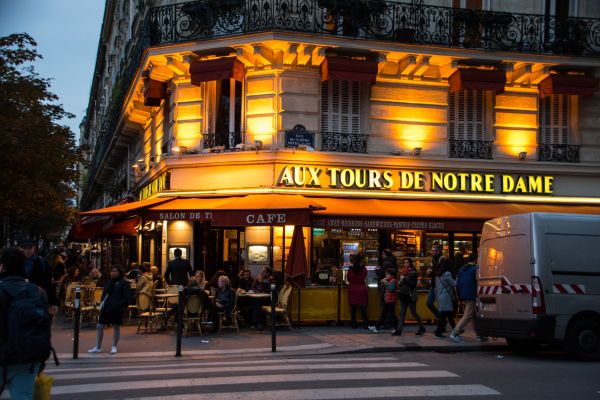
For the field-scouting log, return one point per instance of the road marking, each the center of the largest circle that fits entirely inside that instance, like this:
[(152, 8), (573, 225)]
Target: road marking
[(57, 369), (341, 393), (265, 350), (241, 380), (177, 370)]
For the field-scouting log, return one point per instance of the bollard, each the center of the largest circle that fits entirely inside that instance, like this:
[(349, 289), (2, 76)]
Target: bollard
[(76, 319), (179, 322), (273, 324)]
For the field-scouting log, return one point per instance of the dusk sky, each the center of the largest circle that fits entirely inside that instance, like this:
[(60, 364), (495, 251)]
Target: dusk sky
[(67, 33)]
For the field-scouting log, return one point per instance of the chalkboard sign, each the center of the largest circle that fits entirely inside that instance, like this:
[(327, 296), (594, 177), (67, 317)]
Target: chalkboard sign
[(299, 136)]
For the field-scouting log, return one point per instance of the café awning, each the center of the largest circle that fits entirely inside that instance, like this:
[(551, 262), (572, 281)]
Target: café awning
[(127, 207), (577, 85), (216, 69), (348, 69), (477, 79)]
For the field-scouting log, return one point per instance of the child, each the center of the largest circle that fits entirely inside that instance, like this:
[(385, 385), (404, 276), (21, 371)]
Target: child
[(389, 300)]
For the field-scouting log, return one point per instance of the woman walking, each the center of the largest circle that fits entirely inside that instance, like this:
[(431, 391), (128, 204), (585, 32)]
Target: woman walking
[(357, 290), (115, 299), (408, 297), (444, 291)]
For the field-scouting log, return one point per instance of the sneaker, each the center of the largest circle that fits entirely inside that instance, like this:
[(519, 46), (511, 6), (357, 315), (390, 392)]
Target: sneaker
[(396, 333), (439, 336), (482, 338), (421, 331), (456, 338), (113, 350), (373, 329), (95, 350)]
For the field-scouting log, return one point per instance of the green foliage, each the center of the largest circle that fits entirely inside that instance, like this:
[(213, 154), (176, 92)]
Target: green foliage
[(38, 156)]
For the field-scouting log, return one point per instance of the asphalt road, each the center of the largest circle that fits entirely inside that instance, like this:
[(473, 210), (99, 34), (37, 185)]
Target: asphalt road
[(357, 376)]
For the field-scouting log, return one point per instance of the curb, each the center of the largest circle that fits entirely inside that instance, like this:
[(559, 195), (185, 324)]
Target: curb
[(418, 348)]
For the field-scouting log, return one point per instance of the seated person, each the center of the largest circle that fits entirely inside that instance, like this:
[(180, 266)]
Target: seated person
[(201, 279), (157, 279), (214, 280), (134, 271), (262, 283), (142, 283), (244, 280), (224, 300)]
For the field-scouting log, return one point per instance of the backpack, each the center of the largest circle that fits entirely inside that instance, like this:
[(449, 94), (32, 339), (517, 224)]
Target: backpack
[(28, 324)]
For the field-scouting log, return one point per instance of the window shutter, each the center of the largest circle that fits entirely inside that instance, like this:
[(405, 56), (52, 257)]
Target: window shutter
[(340, 106), (466, 110), (553, 119)]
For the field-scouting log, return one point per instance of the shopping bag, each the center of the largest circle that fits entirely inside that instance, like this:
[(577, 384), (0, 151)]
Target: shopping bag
[(43, 387)]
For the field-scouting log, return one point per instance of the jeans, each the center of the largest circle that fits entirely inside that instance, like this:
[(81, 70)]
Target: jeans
[(412, 306), (430, 305), (21, 378), (445, 316), (387, 312), (468, 315)]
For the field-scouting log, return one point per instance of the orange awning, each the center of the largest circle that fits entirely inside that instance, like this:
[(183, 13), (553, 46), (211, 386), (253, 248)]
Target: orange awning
[(468, 215), (182, 208), (270, 202), (127, 207)]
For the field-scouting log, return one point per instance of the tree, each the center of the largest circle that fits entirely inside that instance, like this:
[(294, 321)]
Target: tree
[(38, 156)]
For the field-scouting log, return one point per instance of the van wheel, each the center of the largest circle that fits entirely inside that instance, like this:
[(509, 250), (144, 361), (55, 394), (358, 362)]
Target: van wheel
[(521, 346), (583, 339)]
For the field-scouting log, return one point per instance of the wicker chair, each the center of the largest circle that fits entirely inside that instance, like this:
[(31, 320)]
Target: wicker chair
[(146, 313), (192, 314), (231, 322), (281, 314)]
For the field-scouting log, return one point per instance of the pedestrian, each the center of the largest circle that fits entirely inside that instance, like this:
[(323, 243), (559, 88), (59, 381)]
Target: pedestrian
[(115, 299), (25, 327), (433, 272), (37, 271), (444, 293), (466, 288), (178, 270), (389, 301), (408, 297), (357, 290)]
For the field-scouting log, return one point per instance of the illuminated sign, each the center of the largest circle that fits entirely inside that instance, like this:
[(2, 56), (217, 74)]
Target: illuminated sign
[(403, 180), (156, 186)]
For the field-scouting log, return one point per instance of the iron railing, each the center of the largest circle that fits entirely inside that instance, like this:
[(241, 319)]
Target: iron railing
[(377, 19), (344, 142), (226, 139), (558, 152), (481, 149)]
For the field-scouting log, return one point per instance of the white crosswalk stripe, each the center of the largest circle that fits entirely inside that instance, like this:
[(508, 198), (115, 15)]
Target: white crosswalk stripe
[(294, 378)]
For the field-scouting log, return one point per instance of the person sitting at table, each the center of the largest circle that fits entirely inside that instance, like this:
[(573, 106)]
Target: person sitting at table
[(193, 290), (201, 279), (142, 283), (262, 283), (215, 279), (224, 300), (157, 279), (133, 271), (245, 280)]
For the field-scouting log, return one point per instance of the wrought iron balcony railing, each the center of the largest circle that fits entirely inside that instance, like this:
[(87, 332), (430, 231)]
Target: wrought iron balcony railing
[(558, 152), (226, 139), (377, 19), (481, 149), (344, 142)]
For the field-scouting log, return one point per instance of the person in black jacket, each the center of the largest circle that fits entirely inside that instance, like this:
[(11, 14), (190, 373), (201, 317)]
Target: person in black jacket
[(115, 298), (38, 272), (407, 292), (178, 270)]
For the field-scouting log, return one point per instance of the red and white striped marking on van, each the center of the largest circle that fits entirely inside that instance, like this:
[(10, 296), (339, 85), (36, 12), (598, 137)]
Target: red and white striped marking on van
[(568, 288)]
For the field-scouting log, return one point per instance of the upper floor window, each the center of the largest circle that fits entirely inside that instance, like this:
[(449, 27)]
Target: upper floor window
[(224, 113), (466, 124), (554, 137)]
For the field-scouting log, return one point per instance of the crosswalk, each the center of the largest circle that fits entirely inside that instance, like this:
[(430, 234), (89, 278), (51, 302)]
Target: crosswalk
[(315, 377)]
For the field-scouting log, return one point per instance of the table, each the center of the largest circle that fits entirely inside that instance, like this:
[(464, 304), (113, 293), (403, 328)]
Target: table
[(255, 295), (164, 298)]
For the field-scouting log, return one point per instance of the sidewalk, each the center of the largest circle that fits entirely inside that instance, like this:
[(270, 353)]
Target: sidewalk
[(252, 343)]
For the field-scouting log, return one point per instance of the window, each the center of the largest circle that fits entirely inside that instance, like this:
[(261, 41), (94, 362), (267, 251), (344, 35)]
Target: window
[(340, 106), (553, 120), (224, 111), (466, 114)]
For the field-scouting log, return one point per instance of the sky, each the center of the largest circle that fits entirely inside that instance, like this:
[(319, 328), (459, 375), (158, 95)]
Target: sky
[(67, 34)]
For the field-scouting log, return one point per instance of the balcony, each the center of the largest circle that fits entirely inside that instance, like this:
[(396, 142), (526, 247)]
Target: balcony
[(558, 152), (376, 19), (344, 142), (479, 149), (225, 140)]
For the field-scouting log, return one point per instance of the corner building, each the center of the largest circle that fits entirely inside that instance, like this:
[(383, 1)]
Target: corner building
[(369, 124)]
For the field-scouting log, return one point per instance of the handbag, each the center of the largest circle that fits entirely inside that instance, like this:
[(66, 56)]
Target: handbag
[(42, 387), (414, 296)]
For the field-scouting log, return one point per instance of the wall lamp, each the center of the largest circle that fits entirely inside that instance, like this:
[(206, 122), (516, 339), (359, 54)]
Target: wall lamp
[(416, 151), (522, 155)]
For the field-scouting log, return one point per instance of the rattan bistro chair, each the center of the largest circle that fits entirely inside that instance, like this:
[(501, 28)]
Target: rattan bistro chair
[(281, 314), (146, 313), (231, 322), (192, 314)]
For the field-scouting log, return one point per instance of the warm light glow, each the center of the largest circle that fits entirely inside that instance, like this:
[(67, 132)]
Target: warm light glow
[(413, 136), (260, 106), (261, 127), (516, 141), (179, 225), (188, 134)]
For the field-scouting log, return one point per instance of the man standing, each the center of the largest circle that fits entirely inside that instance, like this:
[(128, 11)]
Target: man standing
[(24, 327), (433, 272), (38, 272), (178, 270), (466, 287)]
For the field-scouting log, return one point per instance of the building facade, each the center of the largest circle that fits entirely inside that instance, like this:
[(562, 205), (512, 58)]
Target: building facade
[(370, 124)]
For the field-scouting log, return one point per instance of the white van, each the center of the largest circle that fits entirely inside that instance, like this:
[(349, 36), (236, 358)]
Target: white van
[(539, 281)]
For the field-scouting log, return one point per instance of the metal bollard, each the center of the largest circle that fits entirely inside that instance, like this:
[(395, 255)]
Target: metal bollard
[(273, 324), (179, 322), (76, 321)]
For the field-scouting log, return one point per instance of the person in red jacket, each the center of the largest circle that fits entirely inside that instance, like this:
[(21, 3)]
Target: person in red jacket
[(357, 290), (389, 300)]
